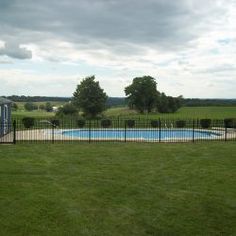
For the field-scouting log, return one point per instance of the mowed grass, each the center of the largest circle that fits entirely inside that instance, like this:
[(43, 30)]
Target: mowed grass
[(118, 189), (184, 113)]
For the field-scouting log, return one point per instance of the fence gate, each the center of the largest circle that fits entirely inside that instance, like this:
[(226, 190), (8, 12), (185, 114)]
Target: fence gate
[(7, 132)]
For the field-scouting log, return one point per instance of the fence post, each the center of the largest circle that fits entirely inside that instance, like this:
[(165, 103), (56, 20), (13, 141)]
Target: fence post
[(159, 130), (226, 132), (89, 131), (14, 132), (125, 131), (193, 129), (52, 133)]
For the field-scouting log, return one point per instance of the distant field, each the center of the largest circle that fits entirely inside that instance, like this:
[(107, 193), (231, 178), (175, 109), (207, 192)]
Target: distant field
[(36, 114), (184, 112), (21, 104), (21, 112)]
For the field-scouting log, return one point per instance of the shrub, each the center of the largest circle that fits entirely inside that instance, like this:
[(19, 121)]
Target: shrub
[(42, 107), (154, 123), (67, 110), (48, 107), (205, 123), (14, 106), (230, 122), (55, 122), (28, 122), (29, 106), (180, 123), (81, 123), (106, 123), (130, 123)]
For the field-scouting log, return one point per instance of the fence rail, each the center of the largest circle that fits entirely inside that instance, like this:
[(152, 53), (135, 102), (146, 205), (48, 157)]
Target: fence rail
[(121, 130)]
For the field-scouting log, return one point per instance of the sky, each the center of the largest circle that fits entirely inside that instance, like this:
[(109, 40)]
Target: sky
[(188, 46)]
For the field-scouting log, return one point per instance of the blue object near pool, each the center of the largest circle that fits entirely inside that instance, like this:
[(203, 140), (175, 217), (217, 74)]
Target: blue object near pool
[(141, 134)]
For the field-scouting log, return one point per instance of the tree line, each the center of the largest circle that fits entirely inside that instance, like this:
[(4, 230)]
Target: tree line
[(197, 102), (111, 101), (121, 101), (23, 98)]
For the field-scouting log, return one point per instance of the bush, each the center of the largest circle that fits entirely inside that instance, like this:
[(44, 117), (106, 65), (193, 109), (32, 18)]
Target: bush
[(28, 122), (29, 106), (55, 122), (106, 123), (42, 107), (14, 106), (81, 123), (230, 122), (130, 123), (205, 123), (67, 110), (180, 123), (154, 123), (48, 107)]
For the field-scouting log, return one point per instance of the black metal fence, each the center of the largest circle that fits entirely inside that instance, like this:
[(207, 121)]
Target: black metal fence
[(121, 130)]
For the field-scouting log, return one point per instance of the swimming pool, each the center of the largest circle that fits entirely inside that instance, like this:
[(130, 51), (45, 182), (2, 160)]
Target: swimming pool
[(141, 134)]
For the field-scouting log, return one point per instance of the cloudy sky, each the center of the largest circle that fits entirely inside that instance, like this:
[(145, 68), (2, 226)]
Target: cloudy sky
[(47, 47)]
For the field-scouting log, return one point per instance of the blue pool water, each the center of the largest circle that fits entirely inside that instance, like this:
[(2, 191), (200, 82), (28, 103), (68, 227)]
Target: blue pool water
[(142, 134)]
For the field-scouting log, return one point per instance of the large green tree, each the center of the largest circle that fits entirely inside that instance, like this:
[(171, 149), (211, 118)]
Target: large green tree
[(168, 104), (90, 97), (142, 94)]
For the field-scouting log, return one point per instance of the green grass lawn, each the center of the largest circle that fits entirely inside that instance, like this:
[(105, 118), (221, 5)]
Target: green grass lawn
[(184, 112), (118, 189)]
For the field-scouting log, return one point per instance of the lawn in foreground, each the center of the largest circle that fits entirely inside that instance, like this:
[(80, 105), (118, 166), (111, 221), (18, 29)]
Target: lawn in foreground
[(118, 189)]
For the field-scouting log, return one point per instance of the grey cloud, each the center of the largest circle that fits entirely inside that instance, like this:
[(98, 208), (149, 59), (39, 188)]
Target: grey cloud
[(15, 51), (164, 24)]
